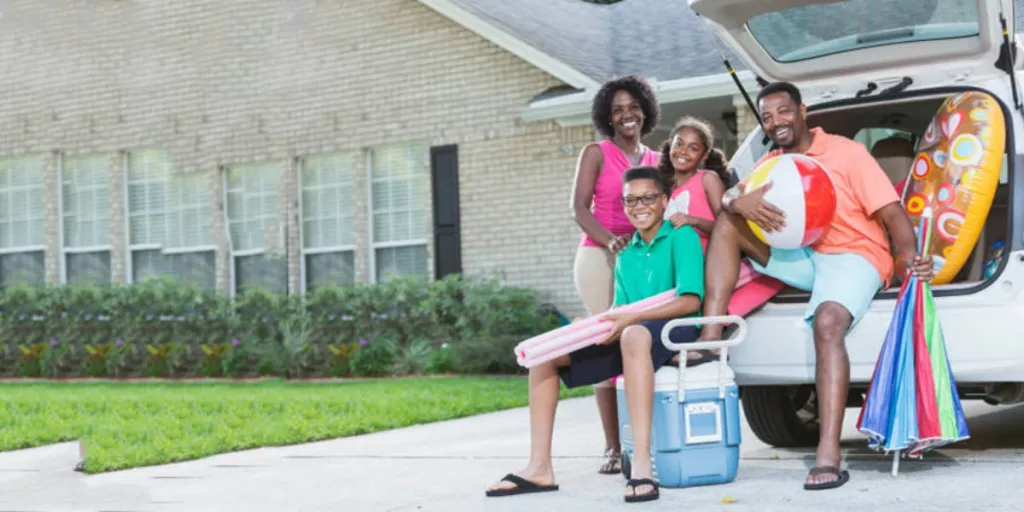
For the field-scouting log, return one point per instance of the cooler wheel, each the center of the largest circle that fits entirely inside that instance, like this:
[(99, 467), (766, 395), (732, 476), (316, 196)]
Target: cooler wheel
[(626, 469)]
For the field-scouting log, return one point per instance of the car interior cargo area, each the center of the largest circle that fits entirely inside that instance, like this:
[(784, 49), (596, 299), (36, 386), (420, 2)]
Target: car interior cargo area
[(897, 133)]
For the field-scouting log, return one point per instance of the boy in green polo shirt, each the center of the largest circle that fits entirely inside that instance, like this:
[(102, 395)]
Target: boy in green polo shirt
[(657, 259)]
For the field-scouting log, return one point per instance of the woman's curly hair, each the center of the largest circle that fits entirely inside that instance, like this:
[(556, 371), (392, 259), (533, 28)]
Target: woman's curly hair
[(636, 86), (715, 160)]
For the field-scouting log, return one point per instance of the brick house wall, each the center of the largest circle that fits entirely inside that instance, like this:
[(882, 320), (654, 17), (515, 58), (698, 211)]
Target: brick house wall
[(746, 121), (217, 84)]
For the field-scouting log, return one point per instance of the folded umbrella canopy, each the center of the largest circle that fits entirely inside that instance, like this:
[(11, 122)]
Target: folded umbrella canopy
[(912, 403)]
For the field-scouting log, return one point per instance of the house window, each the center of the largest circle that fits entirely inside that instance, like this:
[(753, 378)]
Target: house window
[(252, 219), (328, 237), (398, 182), (85, 206), (21, 222), (169, 219)]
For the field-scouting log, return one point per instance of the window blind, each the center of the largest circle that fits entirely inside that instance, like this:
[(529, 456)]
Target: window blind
[(169, 221), (328, 218), (22, 215), (399, 188), (85, 207), (252, 211)]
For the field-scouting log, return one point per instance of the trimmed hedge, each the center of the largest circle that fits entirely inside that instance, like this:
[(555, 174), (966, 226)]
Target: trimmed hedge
[(162, 329)]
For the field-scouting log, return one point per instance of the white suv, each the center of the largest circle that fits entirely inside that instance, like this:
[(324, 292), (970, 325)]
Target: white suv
[(870, 70)]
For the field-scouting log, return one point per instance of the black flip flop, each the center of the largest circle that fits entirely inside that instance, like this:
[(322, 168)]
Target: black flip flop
[(841, 478), (636, 498), (523, 486), (706, 356)]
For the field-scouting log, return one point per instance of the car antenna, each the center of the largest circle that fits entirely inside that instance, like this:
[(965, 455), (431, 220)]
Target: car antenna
[(867, 90), (1006, 58), (904, 83), (736, 79), (743, 90)]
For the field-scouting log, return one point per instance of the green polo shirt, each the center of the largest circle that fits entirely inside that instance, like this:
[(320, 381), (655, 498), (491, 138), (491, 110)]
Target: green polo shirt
[(673, 259)]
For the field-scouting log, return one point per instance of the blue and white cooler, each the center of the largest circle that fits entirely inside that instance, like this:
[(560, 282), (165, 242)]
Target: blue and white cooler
[(695, 436)]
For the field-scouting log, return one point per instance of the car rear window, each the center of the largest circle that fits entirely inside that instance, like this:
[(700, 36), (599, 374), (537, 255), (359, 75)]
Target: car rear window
[(818, 30)]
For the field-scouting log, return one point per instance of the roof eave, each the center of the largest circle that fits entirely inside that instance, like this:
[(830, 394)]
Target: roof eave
[(513, 44), (574, 109)]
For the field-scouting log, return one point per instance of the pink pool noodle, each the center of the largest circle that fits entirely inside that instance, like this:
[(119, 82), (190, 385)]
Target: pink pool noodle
[(747, 274), (752, 290), (590, 330), (647, 303), (561, 351), (568, 345), (743, 301), (552, 340)]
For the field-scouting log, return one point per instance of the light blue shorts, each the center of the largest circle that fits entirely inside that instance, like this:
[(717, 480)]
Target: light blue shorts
[(848, 279)]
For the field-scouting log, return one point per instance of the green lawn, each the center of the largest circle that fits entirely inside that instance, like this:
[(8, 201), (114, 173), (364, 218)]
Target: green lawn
[(126, 425)]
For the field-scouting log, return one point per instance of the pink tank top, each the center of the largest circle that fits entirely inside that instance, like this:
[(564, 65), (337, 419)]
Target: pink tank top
[(607, 203), (691, 199)]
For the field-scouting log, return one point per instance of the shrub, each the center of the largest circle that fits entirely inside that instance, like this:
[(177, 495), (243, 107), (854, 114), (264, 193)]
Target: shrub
[(163, 329), (373, 358)]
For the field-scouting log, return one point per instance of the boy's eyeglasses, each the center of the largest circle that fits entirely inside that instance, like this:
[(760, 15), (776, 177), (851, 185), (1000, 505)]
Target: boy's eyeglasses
[(646, 200)]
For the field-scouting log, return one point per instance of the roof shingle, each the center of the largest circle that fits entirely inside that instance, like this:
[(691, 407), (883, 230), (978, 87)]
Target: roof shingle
[(661, 39)]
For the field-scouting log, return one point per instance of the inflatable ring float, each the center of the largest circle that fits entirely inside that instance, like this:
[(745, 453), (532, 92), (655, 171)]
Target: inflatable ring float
[(956, 173)]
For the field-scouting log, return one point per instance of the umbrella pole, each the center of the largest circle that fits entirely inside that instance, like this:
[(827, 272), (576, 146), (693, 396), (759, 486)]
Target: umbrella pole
[(895, 462)]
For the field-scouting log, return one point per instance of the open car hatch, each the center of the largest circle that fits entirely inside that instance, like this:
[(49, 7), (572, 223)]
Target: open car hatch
[(840, 48)]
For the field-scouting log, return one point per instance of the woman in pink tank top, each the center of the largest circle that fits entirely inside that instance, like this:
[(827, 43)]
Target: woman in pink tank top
[(623, 110)]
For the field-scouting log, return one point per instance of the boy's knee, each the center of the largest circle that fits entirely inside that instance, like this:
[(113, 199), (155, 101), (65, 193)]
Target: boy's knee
[(635, 339)]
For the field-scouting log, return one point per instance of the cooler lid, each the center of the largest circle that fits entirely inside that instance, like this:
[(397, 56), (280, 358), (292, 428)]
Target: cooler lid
[(705, 376)]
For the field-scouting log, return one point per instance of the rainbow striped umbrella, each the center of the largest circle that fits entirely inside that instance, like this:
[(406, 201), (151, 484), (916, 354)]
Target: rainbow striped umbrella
[(912, 403)]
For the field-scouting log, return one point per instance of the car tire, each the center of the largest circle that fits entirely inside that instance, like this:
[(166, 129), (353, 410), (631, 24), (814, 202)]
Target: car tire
[(782, 416)]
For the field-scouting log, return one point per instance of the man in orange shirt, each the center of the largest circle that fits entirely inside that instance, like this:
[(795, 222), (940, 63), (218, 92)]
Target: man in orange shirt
[(843, 270)]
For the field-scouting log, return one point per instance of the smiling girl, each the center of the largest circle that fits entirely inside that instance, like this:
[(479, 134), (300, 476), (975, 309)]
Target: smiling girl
[(698, 175)]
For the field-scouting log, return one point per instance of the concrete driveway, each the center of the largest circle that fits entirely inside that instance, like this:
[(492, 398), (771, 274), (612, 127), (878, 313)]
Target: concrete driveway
[(446, 466)]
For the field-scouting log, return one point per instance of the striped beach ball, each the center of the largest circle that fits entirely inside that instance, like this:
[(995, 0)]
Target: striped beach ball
[(803, 190)]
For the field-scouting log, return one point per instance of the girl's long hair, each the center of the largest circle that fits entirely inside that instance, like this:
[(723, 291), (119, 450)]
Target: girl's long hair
[(715, 160)]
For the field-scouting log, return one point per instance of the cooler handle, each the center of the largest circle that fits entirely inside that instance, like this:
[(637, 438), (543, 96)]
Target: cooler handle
[(683, 348)]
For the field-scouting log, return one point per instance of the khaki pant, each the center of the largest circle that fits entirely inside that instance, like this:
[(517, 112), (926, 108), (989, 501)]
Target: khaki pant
[(594, 273)]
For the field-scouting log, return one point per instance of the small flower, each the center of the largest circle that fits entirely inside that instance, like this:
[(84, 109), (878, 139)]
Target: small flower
[(119, 342), (362, 343), (444, 346), (54, 342), (235, 342)]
